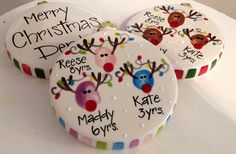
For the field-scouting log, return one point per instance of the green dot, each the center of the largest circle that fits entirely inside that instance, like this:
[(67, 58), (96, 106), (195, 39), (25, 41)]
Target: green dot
[(160, 129), (101, 145), (39, 73), (213, 64), (16, 63), (191, 73)]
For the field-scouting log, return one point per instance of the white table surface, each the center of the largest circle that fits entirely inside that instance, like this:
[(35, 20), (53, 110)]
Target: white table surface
[(204, 119)]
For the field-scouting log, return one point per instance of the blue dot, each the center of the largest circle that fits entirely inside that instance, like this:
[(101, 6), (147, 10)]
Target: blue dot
[(131, 39), (161, 74), (61, 122), (72, 82), (118, 146)]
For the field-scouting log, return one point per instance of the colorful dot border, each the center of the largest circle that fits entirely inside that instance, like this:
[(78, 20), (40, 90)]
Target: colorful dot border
[(197, 72), (31, 71), (118, 145)]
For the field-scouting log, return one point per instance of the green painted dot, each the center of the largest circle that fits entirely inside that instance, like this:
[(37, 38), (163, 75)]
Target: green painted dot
[(39, 73), (160, 129), (213, 64), (16, 63), (191, 73), (101, 145)]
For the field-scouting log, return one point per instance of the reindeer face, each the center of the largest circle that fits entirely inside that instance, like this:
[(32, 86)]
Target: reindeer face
[(198, 41), (105, 59), (176, 19), (86, 96), (143, 80), (153, 35)]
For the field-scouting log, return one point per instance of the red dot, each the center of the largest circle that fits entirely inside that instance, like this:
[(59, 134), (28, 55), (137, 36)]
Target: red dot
[(101, 39), (90, 105), (68, 52), (120, 79), (197, 46), (174, 24), (108, 67), (57, 95), (154, 41), (146, 88), (139, 57), (84, 74)]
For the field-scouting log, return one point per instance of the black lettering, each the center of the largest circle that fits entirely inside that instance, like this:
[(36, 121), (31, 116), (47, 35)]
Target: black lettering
[(14, 40)]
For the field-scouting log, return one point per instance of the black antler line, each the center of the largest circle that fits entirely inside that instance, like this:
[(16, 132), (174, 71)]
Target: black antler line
[(187, 32), (127, 70), (115, 43), (138, 28), (87, 46), (64, 85), (153, 68), (99, 79)]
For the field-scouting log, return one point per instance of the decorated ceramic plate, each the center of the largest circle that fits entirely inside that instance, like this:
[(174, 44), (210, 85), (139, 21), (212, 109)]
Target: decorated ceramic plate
[(41, 34), (112, 90), (191, 41)]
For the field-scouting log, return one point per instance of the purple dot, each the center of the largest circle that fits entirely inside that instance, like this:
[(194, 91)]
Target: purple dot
[(134, 143)]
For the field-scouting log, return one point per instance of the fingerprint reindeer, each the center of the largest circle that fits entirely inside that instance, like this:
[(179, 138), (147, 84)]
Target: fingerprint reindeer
[(152, 34), (86, 94), (143, 79), (104, 56), (176, 18), (200, 40)]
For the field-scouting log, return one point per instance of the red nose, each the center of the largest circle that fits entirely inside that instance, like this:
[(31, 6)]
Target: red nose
[(108, 67), (174, 24), (197, 46), (154, 41), (90, 105), (146, 88)]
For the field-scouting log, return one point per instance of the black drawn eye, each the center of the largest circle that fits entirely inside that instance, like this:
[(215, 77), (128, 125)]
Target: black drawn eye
[(141, 77), (89, 91), (101, 55), (106, 54), (84, 92), (144, 76)]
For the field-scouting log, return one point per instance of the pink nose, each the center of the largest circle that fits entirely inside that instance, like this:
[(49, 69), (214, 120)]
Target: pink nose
[(197, 46), (174, 24), (108, 67), (90, 105), (146, 88)]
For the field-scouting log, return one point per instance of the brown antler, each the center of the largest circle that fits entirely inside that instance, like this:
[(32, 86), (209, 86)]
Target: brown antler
[(153, 68), (138, 28), (165, 31), (163, 8), (194, 13), (99, 79), (187, 32), (212, 38), (126, 70), (87, 46), (64, 85), (115, 43)]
